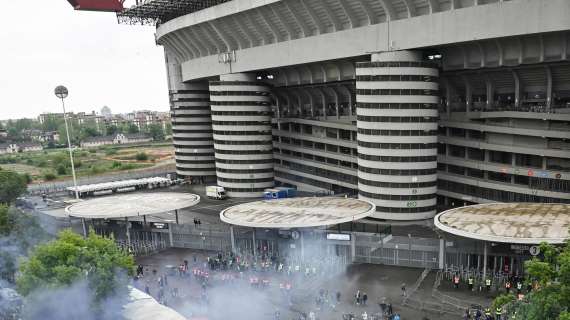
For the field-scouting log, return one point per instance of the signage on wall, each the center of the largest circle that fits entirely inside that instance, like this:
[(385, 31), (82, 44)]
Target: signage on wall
[(159, 225), (295, 235), (338, 236), (530, 173), (412, 204), (534, 250)]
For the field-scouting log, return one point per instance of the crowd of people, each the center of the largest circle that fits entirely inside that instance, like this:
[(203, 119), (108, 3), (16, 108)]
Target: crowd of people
[(265, 272)]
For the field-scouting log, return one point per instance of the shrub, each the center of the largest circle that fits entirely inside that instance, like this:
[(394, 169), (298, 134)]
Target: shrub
[(49, 176), (110, 152), (116, 164), (61, 169), (128, 166), (141, 156), (92, 151), (96, 170)]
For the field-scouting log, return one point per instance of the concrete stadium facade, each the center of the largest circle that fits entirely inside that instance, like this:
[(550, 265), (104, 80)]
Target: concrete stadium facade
[(414, 105)]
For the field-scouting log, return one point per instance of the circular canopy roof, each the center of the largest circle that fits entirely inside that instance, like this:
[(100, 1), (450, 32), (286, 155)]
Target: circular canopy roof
[(527, 223), (132, 205), (297, 212)]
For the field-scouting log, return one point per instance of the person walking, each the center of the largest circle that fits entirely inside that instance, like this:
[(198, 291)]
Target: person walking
[(364, 298), (488, 284), (508, 286), (404, 290), (498, 313), (338, 297)]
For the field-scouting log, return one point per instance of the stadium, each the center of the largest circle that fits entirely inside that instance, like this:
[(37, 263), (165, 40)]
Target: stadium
[(415, 105)]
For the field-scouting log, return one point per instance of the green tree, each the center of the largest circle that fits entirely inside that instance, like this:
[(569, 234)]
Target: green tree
[(71, 258), (156, 131), (5, 226), (87, 132), (12, 185), (51, 123), (133, 128), (111, 130), (550, 274)]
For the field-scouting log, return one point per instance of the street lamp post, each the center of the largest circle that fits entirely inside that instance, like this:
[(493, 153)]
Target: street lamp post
[(61, 92)]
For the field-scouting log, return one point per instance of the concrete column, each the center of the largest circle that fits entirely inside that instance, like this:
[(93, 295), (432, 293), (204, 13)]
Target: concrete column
[(302, 237), (352, 247), (176, 213), (84, 227), (490, 93), (548, 88), (171, 238), (232, 238), (484, 260), (448, 97), (518, 89), (468, 95), (512, 264), (254, 245), (441, 253), (128, 231)]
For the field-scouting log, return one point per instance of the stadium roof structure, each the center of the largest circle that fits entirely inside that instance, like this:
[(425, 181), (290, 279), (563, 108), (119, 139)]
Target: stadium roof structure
[(297, 212), (132, 205), (520, 223), (155, 12)]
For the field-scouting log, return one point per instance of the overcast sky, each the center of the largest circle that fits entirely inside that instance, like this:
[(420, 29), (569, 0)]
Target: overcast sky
[(44, 43)]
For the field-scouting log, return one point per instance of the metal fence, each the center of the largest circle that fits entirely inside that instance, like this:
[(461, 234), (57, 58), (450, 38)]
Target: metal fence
[(398, 251)]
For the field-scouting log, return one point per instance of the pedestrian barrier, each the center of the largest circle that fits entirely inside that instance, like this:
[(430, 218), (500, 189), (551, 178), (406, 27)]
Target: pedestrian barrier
[(141, 247)]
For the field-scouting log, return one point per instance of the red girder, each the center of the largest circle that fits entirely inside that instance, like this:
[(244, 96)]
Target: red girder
[(97, 5)]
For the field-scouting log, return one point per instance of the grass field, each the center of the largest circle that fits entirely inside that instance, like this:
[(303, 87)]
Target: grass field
[(52, 164)]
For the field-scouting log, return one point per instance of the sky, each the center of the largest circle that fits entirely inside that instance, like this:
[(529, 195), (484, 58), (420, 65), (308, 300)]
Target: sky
[(45, 43)]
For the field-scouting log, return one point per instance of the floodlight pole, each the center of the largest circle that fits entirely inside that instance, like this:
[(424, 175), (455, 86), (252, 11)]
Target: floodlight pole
[(61, 92), (70, 151)]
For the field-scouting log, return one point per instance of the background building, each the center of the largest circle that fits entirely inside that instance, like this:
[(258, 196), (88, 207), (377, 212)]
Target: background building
[(416, 105)]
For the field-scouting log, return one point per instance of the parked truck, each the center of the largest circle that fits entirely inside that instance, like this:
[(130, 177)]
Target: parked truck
[(279, 193), (216, 192)]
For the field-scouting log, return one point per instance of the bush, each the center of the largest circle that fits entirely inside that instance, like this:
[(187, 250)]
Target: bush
[(96, 170), (27, 177), (61, 169), (116, 164), (92, 151), (128, 166), (141, 156), (110, 152), (49, 176)]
